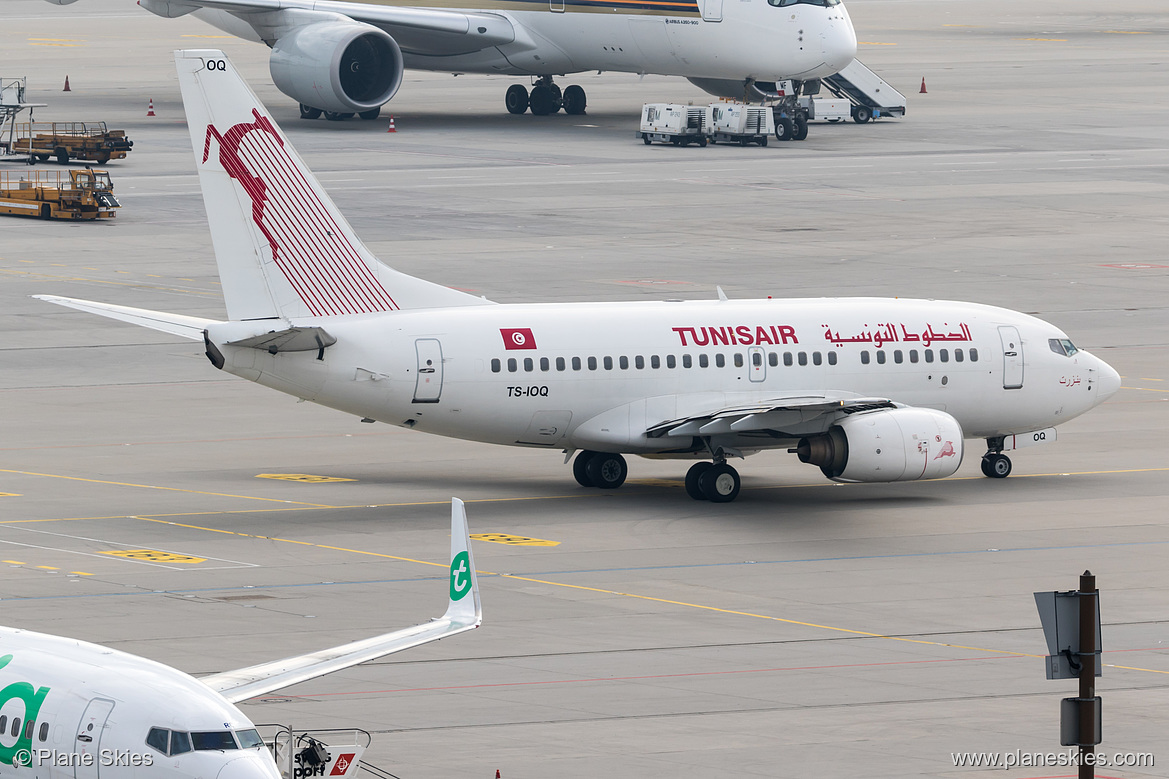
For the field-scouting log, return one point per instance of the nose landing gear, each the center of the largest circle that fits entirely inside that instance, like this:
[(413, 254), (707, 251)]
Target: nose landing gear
[(995, 464)]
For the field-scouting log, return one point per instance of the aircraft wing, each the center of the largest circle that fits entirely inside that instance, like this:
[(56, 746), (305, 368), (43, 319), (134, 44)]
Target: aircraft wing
[(793, 414), (456, 30), (464, 612)]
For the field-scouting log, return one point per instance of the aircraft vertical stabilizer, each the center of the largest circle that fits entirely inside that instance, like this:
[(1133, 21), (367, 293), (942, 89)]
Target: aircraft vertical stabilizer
[(283, 248)]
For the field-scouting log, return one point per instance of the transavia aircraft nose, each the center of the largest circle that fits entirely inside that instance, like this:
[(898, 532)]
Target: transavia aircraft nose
[(1109, 382), (252, 766)]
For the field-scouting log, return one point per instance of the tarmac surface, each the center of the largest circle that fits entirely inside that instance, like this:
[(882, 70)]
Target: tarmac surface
[(806, 630)]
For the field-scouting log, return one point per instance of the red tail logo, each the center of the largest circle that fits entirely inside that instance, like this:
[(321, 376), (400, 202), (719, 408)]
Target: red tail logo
[(311, 249)]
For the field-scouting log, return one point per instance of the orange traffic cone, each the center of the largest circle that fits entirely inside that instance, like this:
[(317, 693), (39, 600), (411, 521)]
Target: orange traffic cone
[(391, 128), (66, 89), (922, 90), (150, 108)]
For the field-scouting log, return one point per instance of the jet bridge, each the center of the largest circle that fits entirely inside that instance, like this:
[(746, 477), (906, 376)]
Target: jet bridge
[(870, 96)]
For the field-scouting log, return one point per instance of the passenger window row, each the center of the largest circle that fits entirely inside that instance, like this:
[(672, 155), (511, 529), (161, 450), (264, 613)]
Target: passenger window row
[(943, 355), (29, 727), (655, 362)]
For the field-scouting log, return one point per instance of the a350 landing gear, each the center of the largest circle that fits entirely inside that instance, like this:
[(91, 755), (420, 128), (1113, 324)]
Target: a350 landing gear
[(716, 482), (995, 464), (545, 98), (600, 469)]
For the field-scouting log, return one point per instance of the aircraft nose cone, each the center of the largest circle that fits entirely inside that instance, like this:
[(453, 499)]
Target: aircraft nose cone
[(838, 44), (1109, 382), (252, 766)]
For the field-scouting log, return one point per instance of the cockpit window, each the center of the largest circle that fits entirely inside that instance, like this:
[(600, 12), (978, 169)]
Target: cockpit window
[(1062, 346), (786, 3), (219, 739), (157, 738), (249, 739), (180, 742)]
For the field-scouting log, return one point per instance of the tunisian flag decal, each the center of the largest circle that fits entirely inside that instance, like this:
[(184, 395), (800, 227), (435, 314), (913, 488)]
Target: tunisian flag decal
[(517, 338)]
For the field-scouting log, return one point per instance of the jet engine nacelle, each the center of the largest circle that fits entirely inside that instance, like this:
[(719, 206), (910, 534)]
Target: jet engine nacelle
[(898, 444), (339, 66)]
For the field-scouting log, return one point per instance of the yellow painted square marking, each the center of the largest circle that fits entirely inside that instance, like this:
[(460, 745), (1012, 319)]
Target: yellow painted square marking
[(154, 556), (504, 538), (9, 494), (303, 477)]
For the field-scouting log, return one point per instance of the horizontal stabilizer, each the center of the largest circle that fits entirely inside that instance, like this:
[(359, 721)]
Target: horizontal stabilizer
[(191, 327), (463, 613), (294, 339)]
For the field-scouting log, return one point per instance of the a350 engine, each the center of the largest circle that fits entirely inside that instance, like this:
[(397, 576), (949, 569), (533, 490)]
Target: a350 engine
[(898, 444), (337, 66)]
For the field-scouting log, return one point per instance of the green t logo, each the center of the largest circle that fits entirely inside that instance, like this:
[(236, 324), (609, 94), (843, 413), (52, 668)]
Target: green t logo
[(460, 576)]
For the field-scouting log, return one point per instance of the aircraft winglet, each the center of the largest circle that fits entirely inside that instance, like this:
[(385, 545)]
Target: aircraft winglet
[(464, 612)]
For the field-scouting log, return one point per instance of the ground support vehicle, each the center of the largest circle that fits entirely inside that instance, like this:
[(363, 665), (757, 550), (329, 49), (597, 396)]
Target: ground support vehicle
[(87, 141), (680, 125), (826, 109), (870, 96), (82, 194), (738, 123)]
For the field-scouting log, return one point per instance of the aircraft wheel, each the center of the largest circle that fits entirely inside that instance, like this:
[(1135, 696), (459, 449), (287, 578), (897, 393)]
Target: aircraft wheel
[(580, 468), (574, 100), (693, 479), (542, 101), (800, 132), (862, 114), (516, 99), (607, 471), (720, 484), (371, 114), (308, 112), (784, 130), (996, 466)]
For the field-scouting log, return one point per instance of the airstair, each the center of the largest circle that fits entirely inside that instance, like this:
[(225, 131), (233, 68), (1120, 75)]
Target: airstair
[(870, 96), (332, 752)]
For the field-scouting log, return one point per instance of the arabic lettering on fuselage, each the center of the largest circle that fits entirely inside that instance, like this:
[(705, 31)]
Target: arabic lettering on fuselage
[(887, 332), (737, 335)]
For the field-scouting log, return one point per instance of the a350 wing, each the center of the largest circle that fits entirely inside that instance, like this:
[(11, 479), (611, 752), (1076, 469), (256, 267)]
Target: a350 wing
[(464, 612), (793, 415), (435, 31)]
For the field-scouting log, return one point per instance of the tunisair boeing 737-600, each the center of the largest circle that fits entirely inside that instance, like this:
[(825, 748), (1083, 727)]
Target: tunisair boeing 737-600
[(867, 389), (348, 56)]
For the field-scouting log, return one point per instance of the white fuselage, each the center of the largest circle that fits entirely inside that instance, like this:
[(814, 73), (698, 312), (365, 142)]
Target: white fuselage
[(744, 39), (92, 710), (601, 374)]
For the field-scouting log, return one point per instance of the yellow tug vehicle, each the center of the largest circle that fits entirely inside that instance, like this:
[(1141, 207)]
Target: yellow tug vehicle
[(74, 194)]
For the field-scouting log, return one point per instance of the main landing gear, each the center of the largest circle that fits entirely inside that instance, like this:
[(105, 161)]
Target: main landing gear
[(995, 464), (716, 482), (545, 98), (308, 112), (600, 469)]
